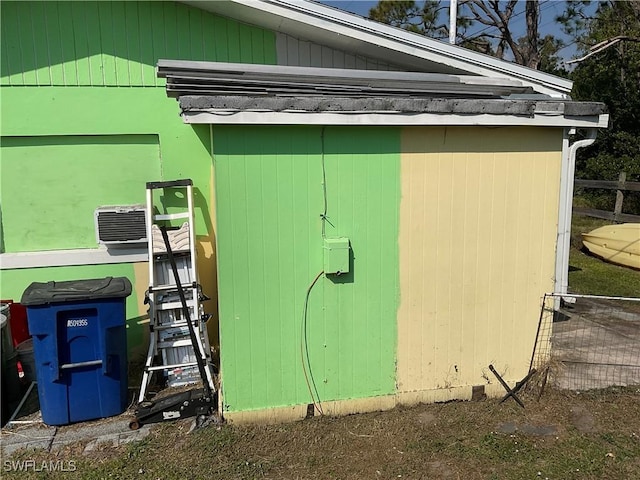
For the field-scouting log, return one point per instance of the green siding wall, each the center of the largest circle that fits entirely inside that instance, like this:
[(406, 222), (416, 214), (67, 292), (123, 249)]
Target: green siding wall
[(75, 143), (269, 198), (117, 43), (83, 171), (85, 148)]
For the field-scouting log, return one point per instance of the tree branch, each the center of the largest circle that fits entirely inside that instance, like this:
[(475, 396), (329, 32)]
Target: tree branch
[(599, 47)]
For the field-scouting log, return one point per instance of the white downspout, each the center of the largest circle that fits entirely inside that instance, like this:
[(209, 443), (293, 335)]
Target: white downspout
[(567, 177)]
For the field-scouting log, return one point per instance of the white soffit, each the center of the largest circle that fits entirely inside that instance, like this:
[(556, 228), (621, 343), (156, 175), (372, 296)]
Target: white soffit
[(234, 117), (338, 29)]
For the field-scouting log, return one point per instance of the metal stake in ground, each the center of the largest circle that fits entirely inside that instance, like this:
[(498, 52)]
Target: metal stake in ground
[(512, 392)]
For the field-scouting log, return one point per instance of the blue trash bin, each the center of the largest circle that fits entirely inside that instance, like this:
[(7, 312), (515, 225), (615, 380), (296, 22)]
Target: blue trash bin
[(80, 347)]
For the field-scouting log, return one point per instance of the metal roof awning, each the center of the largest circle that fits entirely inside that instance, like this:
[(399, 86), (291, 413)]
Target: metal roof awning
[(214, 78), (231, 93)]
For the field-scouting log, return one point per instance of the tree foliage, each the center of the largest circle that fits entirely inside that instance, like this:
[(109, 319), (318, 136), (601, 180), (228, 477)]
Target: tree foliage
[(497, 14), (408, 15), (495, 35), (612, 76)]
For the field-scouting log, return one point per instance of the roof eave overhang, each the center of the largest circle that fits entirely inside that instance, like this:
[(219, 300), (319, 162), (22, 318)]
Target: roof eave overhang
[(234, 117), (417, 111), (342, 30)]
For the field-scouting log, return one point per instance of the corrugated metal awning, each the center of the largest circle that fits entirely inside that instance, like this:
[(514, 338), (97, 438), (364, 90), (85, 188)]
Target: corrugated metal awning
[(214, 78)]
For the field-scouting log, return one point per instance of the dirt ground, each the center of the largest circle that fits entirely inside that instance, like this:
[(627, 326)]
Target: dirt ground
[(588, 435)]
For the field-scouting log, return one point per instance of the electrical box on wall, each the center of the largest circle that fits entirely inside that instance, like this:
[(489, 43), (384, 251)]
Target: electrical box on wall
[(336, 255)]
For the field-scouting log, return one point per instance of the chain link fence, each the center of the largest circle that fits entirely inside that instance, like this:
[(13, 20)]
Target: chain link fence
[(588, 342)]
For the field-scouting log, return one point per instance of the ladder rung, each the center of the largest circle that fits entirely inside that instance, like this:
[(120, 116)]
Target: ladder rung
[(165, 326), (165, 288), (172, 305), (162, 254), (172, 216), (178, 339), (179, 333), (169, 367), (168, 343)]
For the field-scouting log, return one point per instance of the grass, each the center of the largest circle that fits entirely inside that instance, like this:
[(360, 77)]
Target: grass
[(451, 440), (589, 275)]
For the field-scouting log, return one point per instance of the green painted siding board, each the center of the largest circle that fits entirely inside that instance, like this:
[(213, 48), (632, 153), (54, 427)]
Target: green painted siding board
[(108, 44), (54, 42), (220, 40), (159, 40), (257, 46), (41, 50), (4, 62), (208, 38), (195, 29), (171, 27), (269, 198), (233, 35), (269, 48), (94, 43), (14, 56), (69, 66), (147, 58), (120, 47), (182, 21), (133, 43), (81, 42), (25, 40), (246, 52)]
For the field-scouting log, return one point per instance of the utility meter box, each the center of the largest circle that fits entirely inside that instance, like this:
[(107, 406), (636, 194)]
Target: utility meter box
[(336, 255)]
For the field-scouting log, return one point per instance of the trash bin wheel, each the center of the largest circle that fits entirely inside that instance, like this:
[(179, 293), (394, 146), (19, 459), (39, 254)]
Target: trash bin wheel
[(134, 424)]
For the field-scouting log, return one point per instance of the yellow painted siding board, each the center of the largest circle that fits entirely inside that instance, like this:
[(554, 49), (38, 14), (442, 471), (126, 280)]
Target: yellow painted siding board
[(477, 251)]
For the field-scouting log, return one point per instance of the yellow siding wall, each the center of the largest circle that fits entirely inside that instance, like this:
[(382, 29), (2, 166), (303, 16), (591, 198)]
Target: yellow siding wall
[(478, 220)]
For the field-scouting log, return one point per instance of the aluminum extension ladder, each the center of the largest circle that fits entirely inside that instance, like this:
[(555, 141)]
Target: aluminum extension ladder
[(172, 346)]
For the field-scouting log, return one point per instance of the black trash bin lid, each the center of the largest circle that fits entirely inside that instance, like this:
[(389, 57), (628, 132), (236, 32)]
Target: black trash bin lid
[(39, 293)]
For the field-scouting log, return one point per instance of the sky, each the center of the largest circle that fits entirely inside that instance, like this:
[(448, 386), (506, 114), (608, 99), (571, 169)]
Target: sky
[(549, 9)]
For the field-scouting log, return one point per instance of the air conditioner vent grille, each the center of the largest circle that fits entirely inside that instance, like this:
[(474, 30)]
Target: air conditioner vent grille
[(119, 225)]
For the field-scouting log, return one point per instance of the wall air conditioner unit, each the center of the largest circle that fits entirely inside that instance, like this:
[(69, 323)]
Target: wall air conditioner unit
[(121, 225)]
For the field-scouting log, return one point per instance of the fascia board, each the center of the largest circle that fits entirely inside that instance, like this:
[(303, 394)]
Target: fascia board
[(227, 117), (316, 20)]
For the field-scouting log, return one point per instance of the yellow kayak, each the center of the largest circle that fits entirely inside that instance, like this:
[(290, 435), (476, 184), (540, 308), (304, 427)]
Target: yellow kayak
[(615, 243)]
